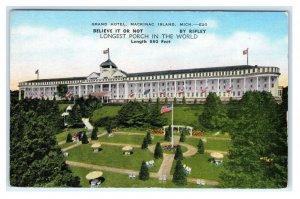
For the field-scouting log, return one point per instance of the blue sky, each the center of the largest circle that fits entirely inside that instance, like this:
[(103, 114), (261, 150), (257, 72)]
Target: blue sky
[(61, 43)]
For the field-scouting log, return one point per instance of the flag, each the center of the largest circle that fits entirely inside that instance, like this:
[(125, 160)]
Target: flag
[(37, 71), (229, 89), (245, 52), (181, 91), (131, 94), (106, 51), (204, 90), (69, 94), (167, 108), (146, 91)]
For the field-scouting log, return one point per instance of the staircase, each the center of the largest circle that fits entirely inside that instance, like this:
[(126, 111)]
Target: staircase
[(87, 123)]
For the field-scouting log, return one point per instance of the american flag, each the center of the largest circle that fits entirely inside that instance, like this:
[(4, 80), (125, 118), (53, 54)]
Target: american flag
[(181, 91), (167, 108), (106, 51), (229, 89), (204, 90), (69, 93), (245, 52), (131, 94)]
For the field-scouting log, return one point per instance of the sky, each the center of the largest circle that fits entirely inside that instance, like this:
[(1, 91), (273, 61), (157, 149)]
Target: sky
[(62, 43)]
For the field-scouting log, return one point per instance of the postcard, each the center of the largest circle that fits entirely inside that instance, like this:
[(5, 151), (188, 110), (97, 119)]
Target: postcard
[(148, 98)]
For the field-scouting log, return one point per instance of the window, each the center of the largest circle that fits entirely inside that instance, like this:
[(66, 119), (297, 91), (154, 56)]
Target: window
[(272, 85)]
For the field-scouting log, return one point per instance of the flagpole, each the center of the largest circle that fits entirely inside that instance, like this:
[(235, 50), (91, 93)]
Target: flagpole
[(247, 55), (172, 125), (108, 53)]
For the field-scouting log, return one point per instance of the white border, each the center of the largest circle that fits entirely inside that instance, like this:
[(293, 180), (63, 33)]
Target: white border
[(142, 193)]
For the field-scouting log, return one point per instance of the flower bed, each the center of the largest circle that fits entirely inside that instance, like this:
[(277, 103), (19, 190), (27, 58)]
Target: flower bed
[(157, 131), (198, 133)]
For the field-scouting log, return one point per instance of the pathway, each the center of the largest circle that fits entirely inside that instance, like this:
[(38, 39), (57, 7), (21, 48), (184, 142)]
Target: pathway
[(87, 123), (166, 166)]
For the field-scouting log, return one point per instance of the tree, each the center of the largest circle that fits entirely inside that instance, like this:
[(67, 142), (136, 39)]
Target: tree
[(62, 90), (178, 153), (69, 138), (94, 133), (214, 115), (75, 118), (200, 147), (158, 152), (144, 172), (175, 100), (179, 176), (150, 100), (166, 100), (145, 143), (157, 100), (149, 139), (258, 156), (84, 139), (35, 158), (182, 137), (108, 128), (183, 100), (168, 134), (195, 101)]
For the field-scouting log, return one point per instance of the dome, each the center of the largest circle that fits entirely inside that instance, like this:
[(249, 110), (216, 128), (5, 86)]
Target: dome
[(108, 63)]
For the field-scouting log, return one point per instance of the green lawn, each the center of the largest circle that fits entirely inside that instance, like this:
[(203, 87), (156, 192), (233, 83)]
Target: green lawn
[(211, 144), (201, 167), (113, 156), (105, 111), (119, 138), (185, 115), (65, 145), (63, 135), (122, 181), (62, 107)]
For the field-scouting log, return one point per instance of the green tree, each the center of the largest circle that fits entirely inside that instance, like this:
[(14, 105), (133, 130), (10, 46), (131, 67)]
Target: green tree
[(182, 137), (75, 119), (149, 139), (200, 147), (157, 100), (166, 100), (258, 156), (175, 100), (195, 101), (69, 138), (178, 153), (150, 100), (158, 152), (62, 90), (214, 116), (183, 100), (179, 176), (94, 133), (168, 134), (35, 158), (144, 172), (84, 139), (145, 143)]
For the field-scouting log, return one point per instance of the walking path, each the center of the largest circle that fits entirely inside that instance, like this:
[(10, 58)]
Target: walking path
[(166, 166), (87, 123)]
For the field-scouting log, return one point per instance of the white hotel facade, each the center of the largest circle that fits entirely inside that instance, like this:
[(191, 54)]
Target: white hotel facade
[(116, 86)]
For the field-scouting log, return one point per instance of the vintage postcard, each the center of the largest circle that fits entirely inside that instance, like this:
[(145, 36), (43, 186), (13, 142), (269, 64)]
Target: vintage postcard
[(148, 98)]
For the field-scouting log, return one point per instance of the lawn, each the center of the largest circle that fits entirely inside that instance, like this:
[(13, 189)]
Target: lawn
[(105, 111), (112, 156), (185, 115), (119, 138), (62, 107), (117, 180), (201, 167), (63, 135), (211, 144)]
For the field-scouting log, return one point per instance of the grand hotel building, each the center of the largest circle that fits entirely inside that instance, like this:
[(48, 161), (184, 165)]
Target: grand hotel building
[(116, 86)]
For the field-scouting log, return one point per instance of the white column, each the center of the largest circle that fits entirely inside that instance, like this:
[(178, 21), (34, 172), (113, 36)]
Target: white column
[(126, 90), (93, 88), (79, 90), (20, 91), (166, 89), (135, 90), (101, 87), (143, 90), (195, 89), (269, 83), (175, 89), (230, 93), (257, 83), (158, 89), (184, 88), (117, 90), (218, 86), (109, 90), (86, 89), (244, 84), (150, 93)]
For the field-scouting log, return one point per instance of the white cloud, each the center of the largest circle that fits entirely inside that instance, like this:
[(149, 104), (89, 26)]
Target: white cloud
[(61, 53)]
